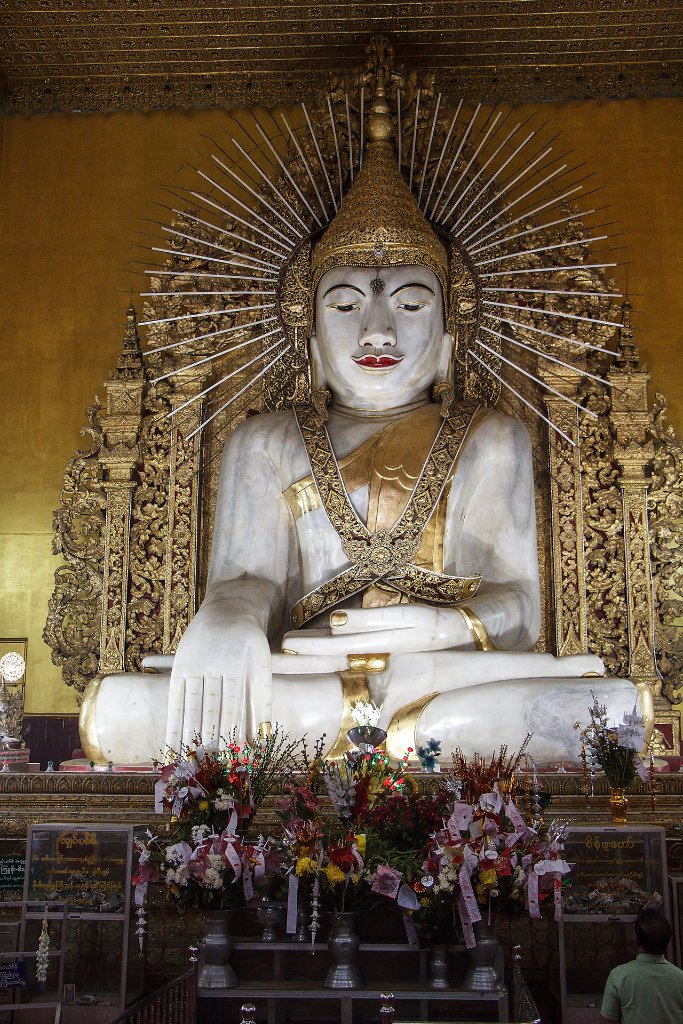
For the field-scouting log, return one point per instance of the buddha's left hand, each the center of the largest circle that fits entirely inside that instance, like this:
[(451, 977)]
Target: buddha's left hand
[(392, 630)]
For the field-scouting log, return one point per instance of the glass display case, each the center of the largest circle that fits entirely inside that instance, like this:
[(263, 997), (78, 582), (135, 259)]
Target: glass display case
[(676, 894), (615, 873), (88, 868)]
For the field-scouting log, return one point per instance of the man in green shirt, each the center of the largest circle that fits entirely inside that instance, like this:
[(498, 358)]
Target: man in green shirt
[(648, 990)]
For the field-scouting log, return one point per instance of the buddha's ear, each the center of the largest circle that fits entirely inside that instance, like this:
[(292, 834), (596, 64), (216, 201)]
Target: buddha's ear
[(445, 368), (317, 371), (444, 387), (320, 395)]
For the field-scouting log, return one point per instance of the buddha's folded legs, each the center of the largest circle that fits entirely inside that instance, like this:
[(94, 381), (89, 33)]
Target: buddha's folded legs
[(123, 718), (462, 699), (481, 718)]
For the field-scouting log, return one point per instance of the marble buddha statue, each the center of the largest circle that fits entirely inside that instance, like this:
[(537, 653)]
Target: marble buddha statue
[(380, 544)]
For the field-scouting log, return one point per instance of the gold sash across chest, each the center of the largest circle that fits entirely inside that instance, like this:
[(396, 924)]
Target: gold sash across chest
[(387, 555)]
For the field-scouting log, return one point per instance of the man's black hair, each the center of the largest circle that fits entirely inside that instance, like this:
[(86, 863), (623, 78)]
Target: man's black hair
[(653, 931)]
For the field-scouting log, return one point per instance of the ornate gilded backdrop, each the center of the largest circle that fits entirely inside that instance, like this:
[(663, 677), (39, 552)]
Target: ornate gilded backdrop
[(134, 523)]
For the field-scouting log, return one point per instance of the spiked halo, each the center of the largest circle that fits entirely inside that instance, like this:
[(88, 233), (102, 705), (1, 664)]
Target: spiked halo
[(491, 210)]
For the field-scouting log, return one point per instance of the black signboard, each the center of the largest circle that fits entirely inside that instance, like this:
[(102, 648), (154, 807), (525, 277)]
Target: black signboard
[(12, 874), (87, 867), (12, 974)]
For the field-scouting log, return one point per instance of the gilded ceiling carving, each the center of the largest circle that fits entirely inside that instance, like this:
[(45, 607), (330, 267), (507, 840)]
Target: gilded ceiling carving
[(74, 55)]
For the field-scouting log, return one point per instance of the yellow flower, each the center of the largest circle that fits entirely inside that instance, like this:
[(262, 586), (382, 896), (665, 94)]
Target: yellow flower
[(305, 866), (360, 843), (203, 805), (334, 874), (487, 877)]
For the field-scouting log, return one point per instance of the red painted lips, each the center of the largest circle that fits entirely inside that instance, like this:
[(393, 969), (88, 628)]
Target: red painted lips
[(373, 362)]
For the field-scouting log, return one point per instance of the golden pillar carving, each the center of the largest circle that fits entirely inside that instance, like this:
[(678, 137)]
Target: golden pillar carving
[(182, 534), (633, 452), (568, 562), (118, 457)]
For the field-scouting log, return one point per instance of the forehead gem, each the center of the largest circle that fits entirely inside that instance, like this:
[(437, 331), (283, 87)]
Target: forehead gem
[(377, 285), (379, 251)]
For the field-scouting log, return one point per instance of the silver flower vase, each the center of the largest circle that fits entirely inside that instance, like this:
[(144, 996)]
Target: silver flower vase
[(366, 737), (343, 943), (438, 967), (215, 951), (482, 975), (269, 915)]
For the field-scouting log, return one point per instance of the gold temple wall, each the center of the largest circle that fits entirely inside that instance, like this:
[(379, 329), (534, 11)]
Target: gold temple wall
[(74, 195)]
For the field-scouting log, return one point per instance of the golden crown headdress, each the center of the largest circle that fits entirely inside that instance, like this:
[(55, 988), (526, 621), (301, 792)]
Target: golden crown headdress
[(380, 223)]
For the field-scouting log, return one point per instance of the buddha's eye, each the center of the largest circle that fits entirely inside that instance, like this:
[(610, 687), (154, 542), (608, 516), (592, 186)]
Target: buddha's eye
[(411, 307), (344, 307)]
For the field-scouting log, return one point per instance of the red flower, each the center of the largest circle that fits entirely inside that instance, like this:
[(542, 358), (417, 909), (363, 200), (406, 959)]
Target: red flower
[(342, 857)]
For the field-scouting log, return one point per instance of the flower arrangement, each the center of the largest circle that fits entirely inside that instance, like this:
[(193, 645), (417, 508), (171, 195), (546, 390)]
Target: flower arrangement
[(354, 831), (365, 713), (428, 756), (324, 835), (399, 828), (477, 851), (212, 795), (614, 748)]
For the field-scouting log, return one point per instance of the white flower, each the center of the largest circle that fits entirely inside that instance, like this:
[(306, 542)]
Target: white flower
[(43, 952), (212, 879), (177, 877), (223, 802), (200, 832), (365, 712), (178, 853)]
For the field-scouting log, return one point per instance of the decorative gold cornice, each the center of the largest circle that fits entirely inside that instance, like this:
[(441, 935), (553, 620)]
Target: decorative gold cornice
[(521, 85), (145, 56)]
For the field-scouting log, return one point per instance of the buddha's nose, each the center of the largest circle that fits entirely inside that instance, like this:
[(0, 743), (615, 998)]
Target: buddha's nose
[(378, 329)]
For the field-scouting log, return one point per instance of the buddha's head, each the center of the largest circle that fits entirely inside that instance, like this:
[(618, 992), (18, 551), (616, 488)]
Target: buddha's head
[(380, 275), (379, 339)]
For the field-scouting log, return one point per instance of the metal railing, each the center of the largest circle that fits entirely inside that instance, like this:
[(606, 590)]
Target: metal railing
[(8, 1011), (523, 1005), (173, 1003), (524, 1010)]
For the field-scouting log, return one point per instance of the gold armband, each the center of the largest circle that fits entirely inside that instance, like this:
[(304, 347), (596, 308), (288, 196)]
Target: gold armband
[(482, 641)]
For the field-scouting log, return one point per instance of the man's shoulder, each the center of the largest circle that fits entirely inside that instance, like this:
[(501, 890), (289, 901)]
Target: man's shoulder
[(673, 973), (665, 970), (622, 971)]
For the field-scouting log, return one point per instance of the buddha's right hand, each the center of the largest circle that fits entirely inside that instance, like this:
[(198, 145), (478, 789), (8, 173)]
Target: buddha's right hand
[(398, 629), (221, 683)]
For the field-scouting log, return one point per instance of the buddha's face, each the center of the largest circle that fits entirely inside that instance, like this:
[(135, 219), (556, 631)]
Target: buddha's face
[(379, 340)]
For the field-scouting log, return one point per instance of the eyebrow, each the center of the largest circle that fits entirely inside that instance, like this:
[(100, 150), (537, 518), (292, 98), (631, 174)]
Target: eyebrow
[(416, 284), (336, 286)]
